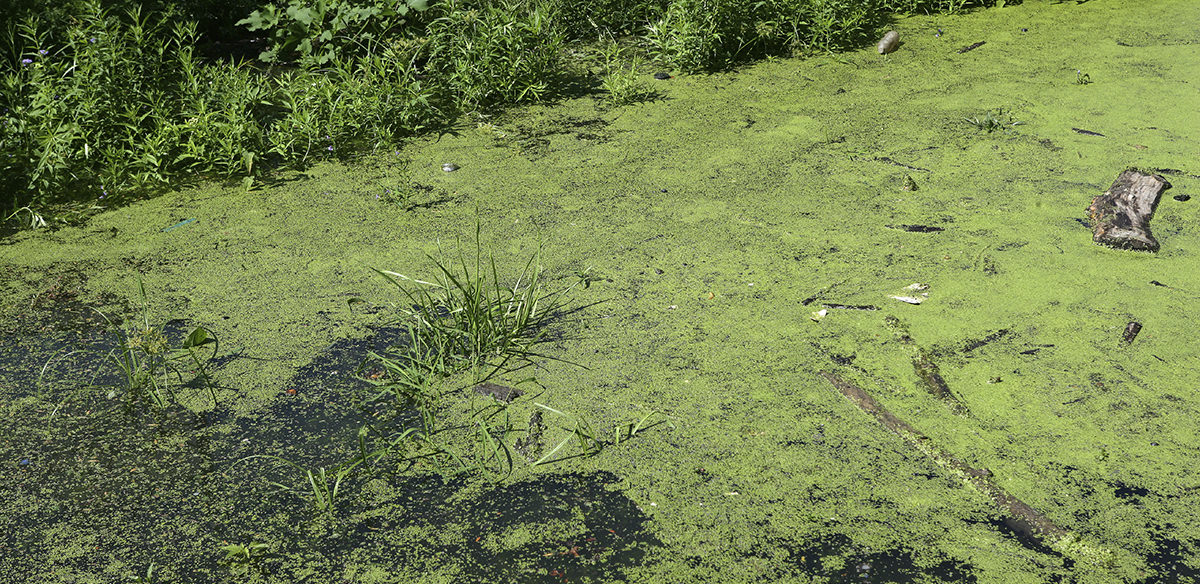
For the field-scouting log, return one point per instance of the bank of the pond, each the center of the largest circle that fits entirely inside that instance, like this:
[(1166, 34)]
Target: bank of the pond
[(710, 226)]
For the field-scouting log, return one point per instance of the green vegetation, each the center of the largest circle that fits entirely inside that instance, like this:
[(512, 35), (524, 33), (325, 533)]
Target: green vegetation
[(241, 558), (101, 104), (146, 362), (990, 122)]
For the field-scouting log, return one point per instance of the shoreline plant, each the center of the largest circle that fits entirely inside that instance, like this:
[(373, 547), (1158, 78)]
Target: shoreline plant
[(98, 106)]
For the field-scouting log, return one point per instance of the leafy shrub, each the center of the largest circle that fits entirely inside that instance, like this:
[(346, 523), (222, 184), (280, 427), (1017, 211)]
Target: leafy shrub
[(123, 106), (320, 32), (705, 35), (502, 51)]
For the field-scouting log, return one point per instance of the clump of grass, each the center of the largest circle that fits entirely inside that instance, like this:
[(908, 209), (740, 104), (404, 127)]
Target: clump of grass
[(621, 77), (322, 486), (990, 122), (468, 318)]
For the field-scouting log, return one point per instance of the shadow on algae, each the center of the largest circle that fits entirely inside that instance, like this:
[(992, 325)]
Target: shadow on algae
[(123, 474)]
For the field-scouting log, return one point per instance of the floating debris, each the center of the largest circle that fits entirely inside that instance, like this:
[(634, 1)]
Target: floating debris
[(818, 315), (1131, 331), (971, 47), (889, 42), (1088, 132), (661, 76), (180, 224), (498, 392), (1121, 216), (916, 228), (917, 299), (450, 167)]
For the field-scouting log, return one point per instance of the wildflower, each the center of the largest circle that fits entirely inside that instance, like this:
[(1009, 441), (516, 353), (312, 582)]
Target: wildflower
[(92, 40), (329, 148), (26, 61), (43, 52)]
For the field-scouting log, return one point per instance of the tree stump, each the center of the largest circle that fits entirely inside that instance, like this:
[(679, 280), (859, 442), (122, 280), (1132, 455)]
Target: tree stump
[(1121, 216)]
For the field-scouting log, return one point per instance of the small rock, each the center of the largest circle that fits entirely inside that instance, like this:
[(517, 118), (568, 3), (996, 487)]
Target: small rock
[(499, 392), (889, 42)]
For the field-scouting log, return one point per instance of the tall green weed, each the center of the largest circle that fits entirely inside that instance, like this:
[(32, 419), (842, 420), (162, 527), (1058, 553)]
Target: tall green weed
[(495, 51), (124, 105)]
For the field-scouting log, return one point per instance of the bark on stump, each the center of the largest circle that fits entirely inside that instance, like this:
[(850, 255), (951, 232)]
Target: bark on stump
[(1121, 216)]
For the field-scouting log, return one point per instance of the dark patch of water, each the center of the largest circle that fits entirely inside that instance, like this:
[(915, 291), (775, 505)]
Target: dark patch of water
[(1170, 560), (1129, 492), (606, 532), (320, 411), (837, 558)]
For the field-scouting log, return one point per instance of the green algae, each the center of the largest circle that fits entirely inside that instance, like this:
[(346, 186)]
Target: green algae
[(711, 215)]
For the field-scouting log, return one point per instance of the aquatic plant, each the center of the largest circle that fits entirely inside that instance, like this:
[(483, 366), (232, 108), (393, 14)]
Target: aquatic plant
[(241, 557), (580, 430), (992, 122), (321, 32), (148, 578), (497, 52), (322, 486), (627, 431), (146, 362), (468, 319), (36, 221)]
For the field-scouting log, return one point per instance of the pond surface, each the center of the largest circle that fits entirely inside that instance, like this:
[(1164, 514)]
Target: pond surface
[(711, 225)]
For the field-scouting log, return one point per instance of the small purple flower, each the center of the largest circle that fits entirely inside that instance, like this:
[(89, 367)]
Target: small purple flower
[(329, 148), (43, 52), (92, 40), (26, 61)]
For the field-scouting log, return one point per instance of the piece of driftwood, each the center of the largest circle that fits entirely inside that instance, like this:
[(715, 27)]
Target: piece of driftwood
[(1022, 518), (1121, 216)]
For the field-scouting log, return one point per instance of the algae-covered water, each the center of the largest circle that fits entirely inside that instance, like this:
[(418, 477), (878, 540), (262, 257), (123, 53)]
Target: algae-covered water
[(711, 224)]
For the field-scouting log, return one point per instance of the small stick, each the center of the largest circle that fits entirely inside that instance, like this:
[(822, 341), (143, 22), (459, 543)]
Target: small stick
[(971, 47)]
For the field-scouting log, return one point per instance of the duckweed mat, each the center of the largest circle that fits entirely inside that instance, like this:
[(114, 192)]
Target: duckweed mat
[(737, 236)]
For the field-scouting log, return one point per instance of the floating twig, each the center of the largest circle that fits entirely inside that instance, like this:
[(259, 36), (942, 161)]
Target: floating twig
[(971, 47), (916, 228), (1088, 132)]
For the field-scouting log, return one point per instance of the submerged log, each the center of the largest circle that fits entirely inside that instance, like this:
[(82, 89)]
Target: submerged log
[(1020, 516), (1121, 216)]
